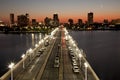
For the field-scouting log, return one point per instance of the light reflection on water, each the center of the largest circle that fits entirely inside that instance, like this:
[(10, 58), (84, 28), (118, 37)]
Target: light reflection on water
[(12, 46), (103, 51)]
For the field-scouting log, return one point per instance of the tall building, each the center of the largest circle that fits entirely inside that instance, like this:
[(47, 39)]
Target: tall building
[(23, 20), (80, 22), (71, 23), (34, 22), (105, 21), (90, 18), (11, 19), (55, 19)]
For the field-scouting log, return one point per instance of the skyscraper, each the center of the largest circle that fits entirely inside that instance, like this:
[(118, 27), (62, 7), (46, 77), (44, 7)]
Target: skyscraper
[(90, 18), (23, 20), (80, 22), (55, 19), (71, 23), (11, 19)]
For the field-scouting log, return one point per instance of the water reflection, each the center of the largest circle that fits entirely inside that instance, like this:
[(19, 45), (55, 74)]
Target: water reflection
[(103, 51), (12, 46)]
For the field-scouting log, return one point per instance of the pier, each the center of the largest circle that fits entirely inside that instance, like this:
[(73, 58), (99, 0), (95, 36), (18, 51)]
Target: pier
[(55, 57)]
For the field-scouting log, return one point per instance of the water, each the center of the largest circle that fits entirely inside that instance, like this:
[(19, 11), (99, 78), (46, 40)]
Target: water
[(103, 51), (12, 46), (101, 47)]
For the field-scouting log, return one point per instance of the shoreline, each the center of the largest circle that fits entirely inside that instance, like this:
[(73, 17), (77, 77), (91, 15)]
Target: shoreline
[(23, 32)]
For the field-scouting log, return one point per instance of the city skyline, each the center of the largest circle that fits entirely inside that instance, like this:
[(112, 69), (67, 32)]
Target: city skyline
[(39, 9)]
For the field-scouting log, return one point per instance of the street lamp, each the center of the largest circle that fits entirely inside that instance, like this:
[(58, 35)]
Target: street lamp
[(11, 68), (30, 51), (36, 45), (86, 65), (80, 55), (23, 56)]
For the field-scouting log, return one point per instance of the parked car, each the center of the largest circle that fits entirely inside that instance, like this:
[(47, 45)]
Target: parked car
[(38, 55), (56, 59), (74, 63), (75, 69), (56, 64)]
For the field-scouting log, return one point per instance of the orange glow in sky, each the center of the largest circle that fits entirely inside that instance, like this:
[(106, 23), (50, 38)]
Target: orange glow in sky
[(74, 9)]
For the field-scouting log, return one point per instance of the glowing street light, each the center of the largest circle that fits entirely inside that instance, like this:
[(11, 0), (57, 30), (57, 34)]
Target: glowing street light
[(30, 51), (39, 42), (86, 66), (23, 56), (11, 68), (80, 55), (36, 45)]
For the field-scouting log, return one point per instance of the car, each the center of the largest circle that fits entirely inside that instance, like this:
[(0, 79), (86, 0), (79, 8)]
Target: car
[(71, 54), (41, 51), (38, 55), (44, 48), (56, 59), (56, 64), (74, 63), (73, 60), (73, 57), (75, 69)]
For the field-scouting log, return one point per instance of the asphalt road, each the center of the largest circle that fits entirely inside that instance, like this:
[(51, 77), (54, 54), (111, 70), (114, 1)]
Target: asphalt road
[(50, 72), (42, 67), (65, 70), (31, 71)]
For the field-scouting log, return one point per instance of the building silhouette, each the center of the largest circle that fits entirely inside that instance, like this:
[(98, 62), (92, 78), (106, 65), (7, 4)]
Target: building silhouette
[(71, 23), (12, 19), (55, 19), (34, 22), (80, 22), (90, 18), (23, 20)]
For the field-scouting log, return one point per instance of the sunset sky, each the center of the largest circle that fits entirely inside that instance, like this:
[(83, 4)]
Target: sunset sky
[(75, 9)]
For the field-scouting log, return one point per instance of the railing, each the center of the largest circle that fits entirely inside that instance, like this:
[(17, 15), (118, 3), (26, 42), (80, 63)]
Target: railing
[(80, 55), (29, 56)]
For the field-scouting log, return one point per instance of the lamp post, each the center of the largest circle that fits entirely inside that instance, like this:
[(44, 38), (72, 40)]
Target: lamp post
[(23, 56), (30, 51), (36, 45), (36, 48), (11, 68), (80, 55), (86, 65)]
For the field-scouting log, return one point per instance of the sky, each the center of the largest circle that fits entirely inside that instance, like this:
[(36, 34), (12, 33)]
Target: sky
[(74, 9)]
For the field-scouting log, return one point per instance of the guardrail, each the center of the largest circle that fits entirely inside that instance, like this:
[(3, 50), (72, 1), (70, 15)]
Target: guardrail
[(79, 54), (29, 56)]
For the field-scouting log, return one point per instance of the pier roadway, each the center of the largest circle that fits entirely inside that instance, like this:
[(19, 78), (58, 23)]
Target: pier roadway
[(43, 67), (34, 70), (68, 73), (51, 72), (64, 71)]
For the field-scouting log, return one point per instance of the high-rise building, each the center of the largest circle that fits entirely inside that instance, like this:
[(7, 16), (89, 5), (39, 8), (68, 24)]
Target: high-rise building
[(90, 18), (23, 20), (80, 22), (71, 23), (11, 19), (55, 19), (105, 21), (34, 22)]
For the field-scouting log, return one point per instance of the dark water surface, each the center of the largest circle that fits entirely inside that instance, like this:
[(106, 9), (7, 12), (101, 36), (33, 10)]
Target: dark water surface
[(101, 47), (103, 51), (12, 46)]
